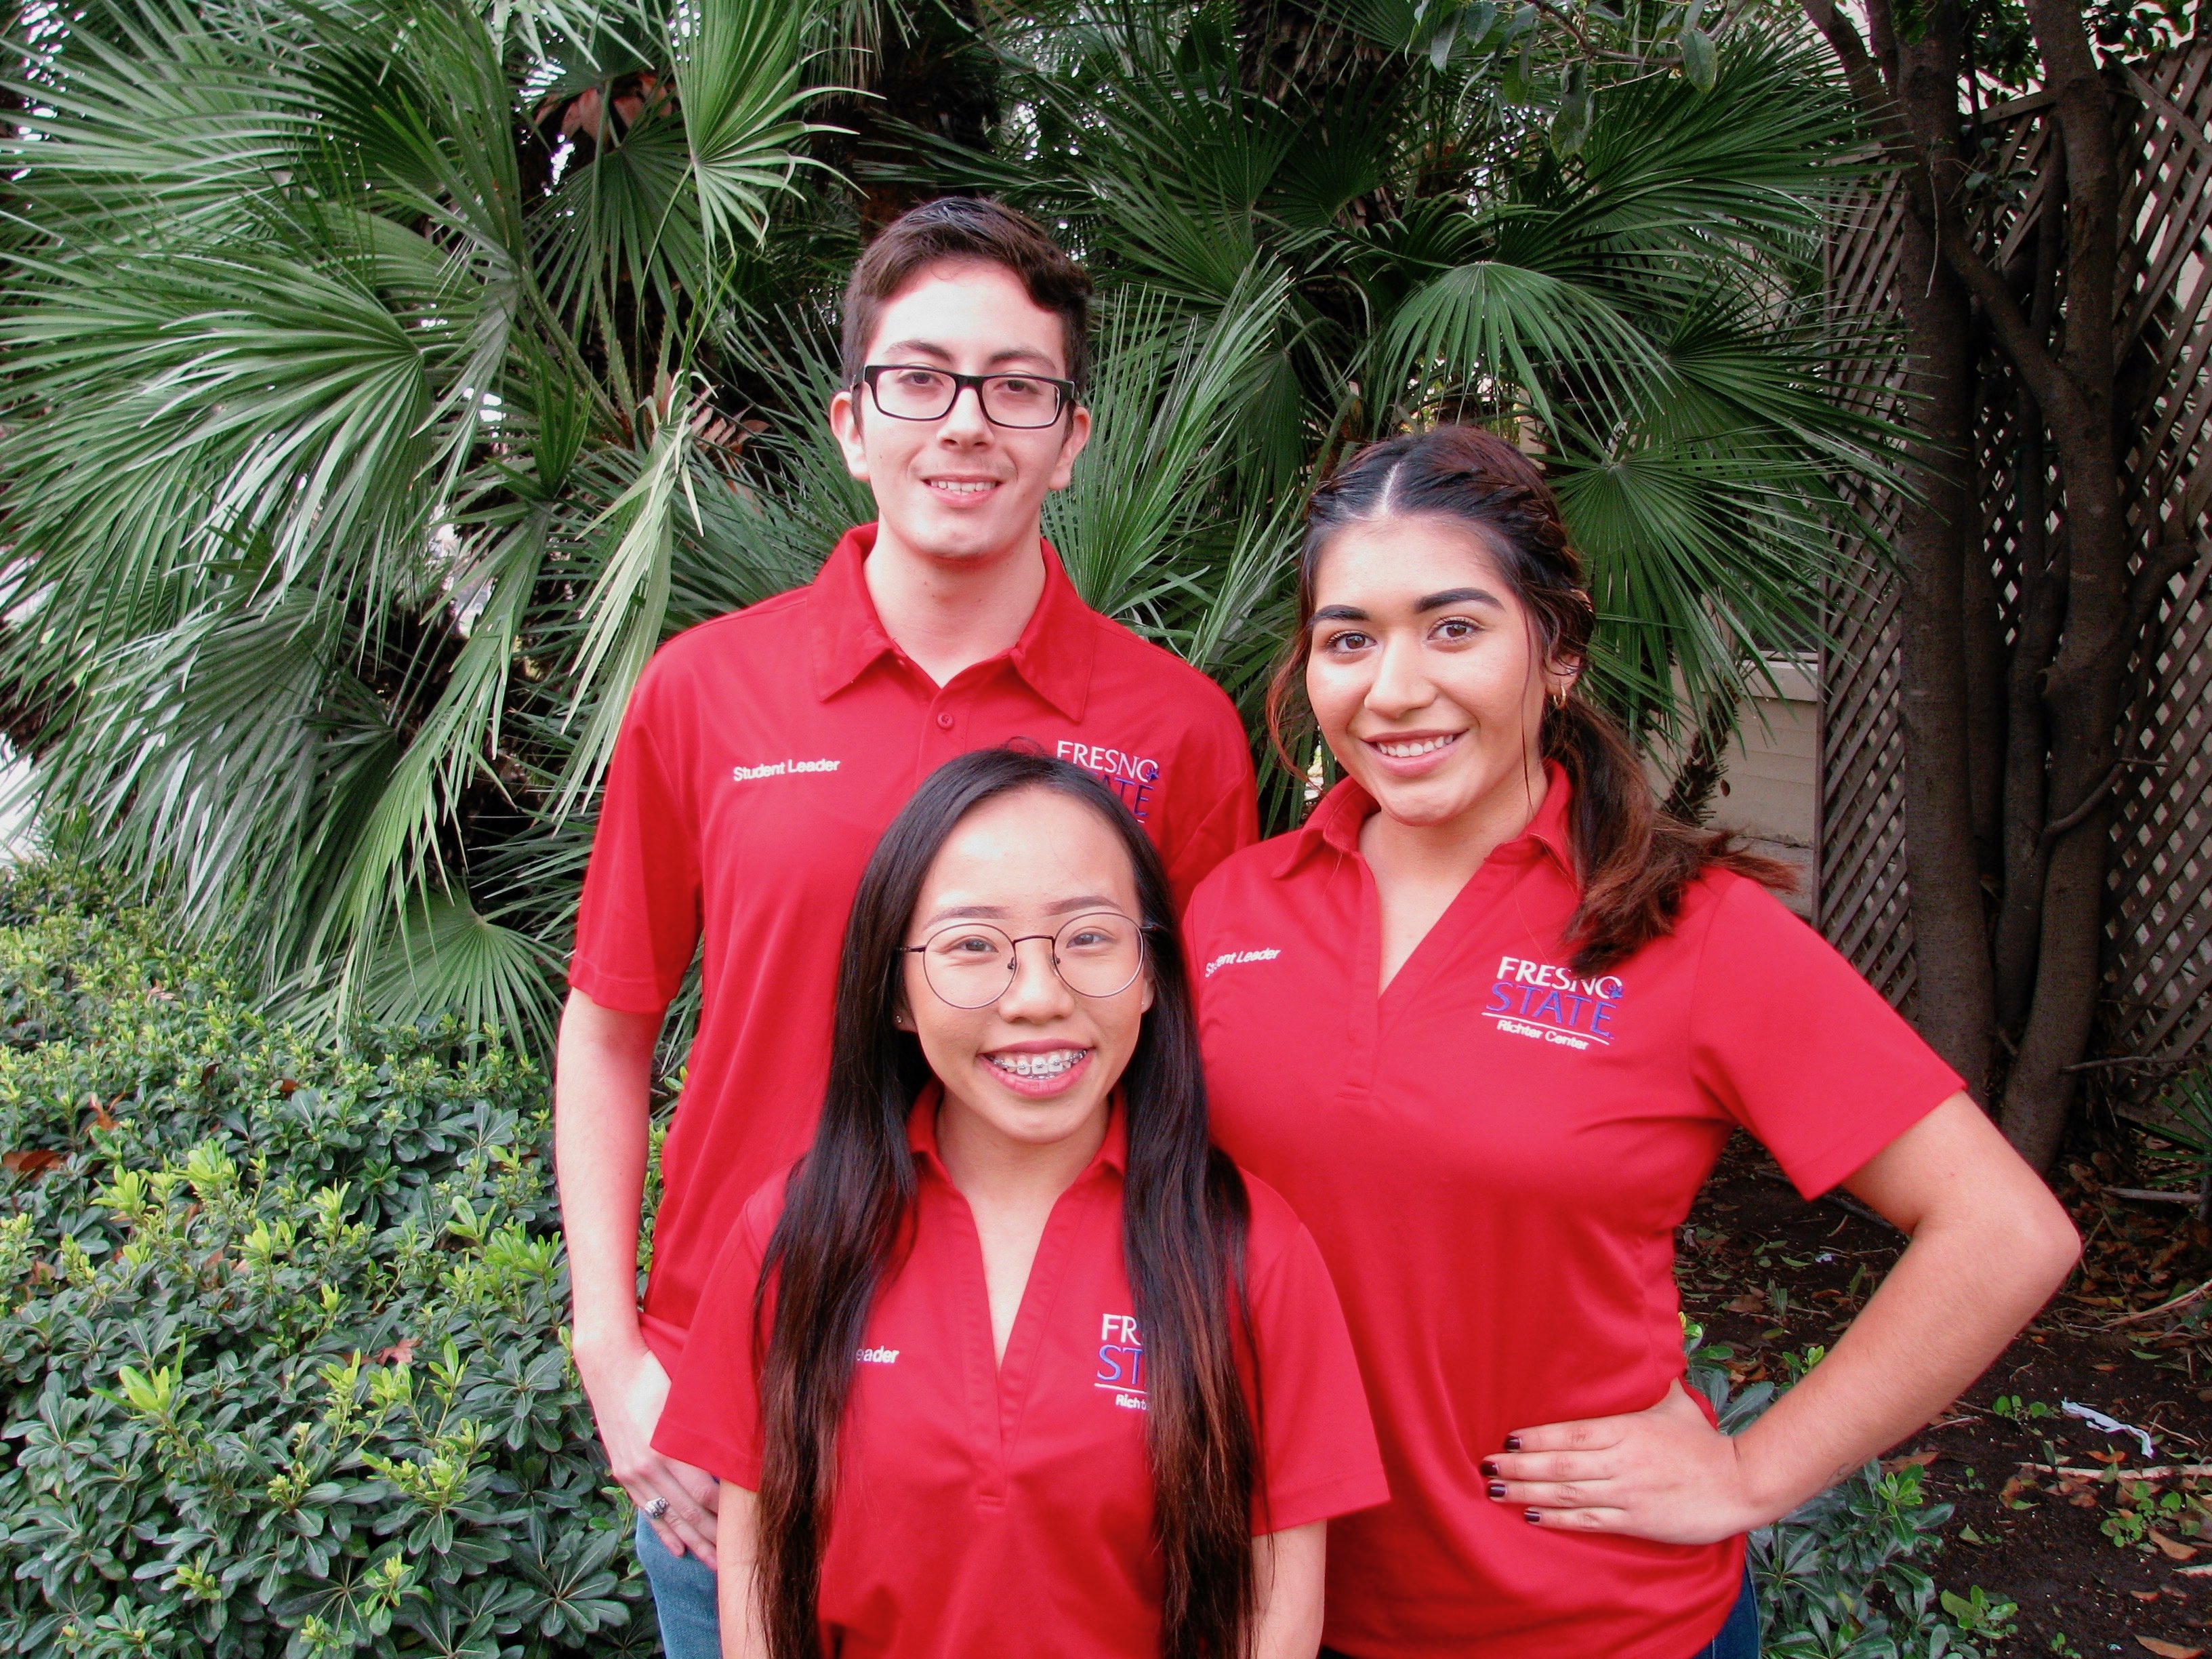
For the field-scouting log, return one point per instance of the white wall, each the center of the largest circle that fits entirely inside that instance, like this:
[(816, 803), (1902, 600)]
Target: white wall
[(1772, 782)]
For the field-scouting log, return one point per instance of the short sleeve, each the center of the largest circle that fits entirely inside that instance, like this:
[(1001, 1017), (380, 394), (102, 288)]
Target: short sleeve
[(712, 1416), (1221, 804), (638, 923), (1197, 917), (1788, 1041), (1318, 1439)]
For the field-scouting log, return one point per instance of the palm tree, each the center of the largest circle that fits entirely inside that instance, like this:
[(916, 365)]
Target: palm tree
[(386, 379)]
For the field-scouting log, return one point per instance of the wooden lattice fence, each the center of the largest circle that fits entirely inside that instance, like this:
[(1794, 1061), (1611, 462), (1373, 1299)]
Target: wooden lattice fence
[(2158, 966)]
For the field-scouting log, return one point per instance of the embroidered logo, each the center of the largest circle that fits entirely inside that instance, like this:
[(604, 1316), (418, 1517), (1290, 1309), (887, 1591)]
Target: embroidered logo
[(1235, 958), (878, 1356), (1540, 1000), (1135, 778), (1121, 1361), (783, 768)]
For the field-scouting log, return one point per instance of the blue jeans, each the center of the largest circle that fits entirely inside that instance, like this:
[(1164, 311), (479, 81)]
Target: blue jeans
[(682, 1598), (1739, 1638)]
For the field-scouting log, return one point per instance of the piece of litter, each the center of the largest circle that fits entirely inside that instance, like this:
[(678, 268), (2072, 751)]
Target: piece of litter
[(2097, 1419)]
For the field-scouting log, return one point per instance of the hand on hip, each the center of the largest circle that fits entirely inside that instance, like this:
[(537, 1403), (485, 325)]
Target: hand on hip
[(1665, 1474)]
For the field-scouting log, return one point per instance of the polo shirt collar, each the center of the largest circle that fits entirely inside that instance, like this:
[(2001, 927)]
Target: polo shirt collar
[(1336, 818), (1053, 655), (1113, 1152)]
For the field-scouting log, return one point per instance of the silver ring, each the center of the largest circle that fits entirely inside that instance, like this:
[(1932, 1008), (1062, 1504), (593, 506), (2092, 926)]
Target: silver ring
[(654, 1508)]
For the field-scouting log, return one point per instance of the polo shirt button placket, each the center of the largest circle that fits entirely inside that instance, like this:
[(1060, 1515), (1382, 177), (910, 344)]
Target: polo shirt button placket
[(941, 737)]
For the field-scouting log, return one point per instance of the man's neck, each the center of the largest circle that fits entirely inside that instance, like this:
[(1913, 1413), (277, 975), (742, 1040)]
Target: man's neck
[(948, 615)]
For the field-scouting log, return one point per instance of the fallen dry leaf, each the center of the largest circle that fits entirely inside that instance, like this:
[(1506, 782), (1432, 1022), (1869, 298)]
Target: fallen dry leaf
[(2173, 1548), (2017, 1484), (1919, 1460), (1749, 1302), (33, 1164), (2169, 1650), (100, 1116), (2144, 1595), (401, 1352)]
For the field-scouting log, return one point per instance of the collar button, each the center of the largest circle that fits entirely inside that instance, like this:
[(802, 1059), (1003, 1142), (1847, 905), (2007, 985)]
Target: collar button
[(945, 721)]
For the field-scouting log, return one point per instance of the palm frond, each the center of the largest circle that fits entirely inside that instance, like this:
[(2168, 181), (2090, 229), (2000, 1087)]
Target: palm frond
[(1163, 405)]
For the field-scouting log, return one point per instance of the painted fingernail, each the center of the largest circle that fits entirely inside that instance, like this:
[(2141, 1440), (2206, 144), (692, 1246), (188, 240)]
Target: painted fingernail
[(1534, 1517), (1490, 1466), (1513, 1443), (1498, 1489)]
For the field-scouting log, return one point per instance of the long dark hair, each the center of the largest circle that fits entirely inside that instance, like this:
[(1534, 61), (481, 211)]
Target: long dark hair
[(846, 1209), (1633, 860)]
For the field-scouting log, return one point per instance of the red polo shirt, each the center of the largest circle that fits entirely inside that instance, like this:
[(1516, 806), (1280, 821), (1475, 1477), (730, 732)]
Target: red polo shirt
[(1493, 1155), (763, 754), (1007, 1508)]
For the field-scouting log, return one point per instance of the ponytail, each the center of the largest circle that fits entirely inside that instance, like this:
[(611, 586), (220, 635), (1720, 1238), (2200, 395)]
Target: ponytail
[(1632, 860)]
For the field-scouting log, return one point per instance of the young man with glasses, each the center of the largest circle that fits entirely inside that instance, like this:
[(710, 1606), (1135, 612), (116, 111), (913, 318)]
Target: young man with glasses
[(764, 752)]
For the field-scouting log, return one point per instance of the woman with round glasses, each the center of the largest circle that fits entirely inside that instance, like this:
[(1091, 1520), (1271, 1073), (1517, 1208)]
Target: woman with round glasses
[(1015, 1361)]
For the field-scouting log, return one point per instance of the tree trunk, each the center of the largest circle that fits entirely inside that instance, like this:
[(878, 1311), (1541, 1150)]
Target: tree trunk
[(1705, 763), (2085, 691), (1955, 1007), (2081, 607), (2042, 613)]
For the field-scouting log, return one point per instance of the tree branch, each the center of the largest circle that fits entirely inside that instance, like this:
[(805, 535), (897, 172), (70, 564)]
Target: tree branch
[(2054, 831), (2046, 377), (1874, 86), (1864, 77), (1881, 29), (2161, 564)]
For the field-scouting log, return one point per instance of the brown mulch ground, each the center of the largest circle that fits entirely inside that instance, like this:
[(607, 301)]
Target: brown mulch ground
[(2097, 1565)]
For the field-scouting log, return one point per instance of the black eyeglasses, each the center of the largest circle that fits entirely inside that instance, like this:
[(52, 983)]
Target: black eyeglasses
[(915, 391), (971, 964)]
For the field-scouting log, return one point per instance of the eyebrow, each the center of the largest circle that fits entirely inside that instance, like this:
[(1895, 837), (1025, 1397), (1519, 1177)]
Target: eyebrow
[(1066, 907), (892, 352), (1457, 596), (1426, 603)]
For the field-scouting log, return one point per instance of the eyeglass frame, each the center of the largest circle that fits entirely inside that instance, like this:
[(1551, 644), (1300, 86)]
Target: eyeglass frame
[(1067, 390), (1014, 960)]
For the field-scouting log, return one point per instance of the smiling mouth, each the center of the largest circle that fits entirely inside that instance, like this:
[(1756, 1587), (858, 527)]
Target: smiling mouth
[(962, 487), (1039, 1067), (1413, 748)]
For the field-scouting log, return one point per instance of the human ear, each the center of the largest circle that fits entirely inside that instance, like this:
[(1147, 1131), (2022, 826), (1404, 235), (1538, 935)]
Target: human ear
[(1561, 675), (844, 426), (1078, 434)]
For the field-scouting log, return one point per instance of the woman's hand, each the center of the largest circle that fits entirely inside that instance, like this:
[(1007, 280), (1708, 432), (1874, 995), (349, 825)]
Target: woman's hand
[(1665, 1474), (1990, 1244)]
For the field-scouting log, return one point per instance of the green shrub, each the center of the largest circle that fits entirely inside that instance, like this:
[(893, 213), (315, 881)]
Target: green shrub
[(281, 1328), (1845, 1575)]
